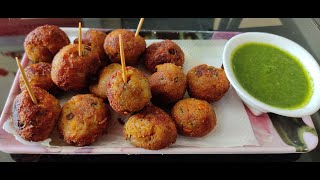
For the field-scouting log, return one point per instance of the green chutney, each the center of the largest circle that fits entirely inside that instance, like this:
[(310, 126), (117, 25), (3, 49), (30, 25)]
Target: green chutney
[(272, 75)]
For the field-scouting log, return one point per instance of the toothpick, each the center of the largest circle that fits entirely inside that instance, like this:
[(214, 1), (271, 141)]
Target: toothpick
[(139, 27), (33, 98), (79, 40), (123, 61)]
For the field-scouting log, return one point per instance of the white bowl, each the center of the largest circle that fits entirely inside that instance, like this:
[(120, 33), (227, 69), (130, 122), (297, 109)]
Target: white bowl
[(310, 64)]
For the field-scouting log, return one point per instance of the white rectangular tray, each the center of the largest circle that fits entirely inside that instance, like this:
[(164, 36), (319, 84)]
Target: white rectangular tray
[(264, 129)]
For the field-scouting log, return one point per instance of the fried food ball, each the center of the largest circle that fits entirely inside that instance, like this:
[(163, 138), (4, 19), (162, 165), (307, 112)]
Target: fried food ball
[(207, 83), (95, 39), (73, 72), (163, 52), (168, 84), (151, 128), (44, 42), (133, 46), (193, 117), (100, 89), (38, 75), (83, 120), (128, 97), (35, 122)]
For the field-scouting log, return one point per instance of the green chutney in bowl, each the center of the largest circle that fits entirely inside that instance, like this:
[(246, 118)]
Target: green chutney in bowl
[(272, 75)]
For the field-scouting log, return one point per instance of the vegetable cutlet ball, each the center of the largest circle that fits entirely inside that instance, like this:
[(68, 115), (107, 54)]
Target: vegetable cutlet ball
[(207, 83), (163, 52), (151, 128), (168, 84), (194, 117), (128, 97), (83, 120), (100, 89), (73, 72), (44, 42), (133, 46), (38, 75), (35, 122), (95, 39)]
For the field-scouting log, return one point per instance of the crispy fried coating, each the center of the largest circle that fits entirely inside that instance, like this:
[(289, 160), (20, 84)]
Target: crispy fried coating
[(207, 83), (38, 75), (128, 97), (83, 120), (73, 72), (100, 89), (133, 46), (193, 117), (151, 128), (163, 52), (44, 42), (168, 84), (95, 39), (35, 122)]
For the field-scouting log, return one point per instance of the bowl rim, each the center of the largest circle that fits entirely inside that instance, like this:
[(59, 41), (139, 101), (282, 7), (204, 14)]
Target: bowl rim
[(248, 99)]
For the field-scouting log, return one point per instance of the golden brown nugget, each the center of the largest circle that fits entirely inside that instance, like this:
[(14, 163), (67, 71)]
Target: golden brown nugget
[(95, 39), (38, 75), (207, 83), (168, 84), (133, 46), (163, 52), (44, 42), (126, 98), (100, 89), (35, 122), (83, 120), (193, 117), (73, 72), (151, 128)]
